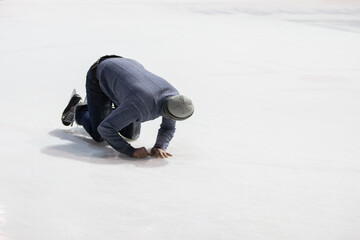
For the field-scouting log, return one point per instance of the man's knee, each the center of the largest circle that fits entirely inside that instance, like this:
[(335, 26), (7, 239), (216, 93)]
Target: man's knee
[(132, 131), (97, 137)]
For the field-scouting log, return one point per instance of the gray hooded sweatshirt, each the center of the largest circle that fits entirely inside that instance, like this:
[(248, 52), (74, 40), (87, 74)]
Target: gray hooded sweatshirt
[(139, 95)]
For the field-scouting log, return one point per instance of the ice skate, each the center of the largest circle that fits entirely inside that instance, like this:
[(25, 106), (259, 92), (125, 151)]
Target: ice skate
[(68, 115)]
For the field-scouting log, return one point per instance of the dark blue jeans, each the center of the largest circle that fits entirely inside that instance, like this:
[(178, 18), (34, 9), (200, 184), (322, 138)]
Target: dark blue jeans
[(98, 107)]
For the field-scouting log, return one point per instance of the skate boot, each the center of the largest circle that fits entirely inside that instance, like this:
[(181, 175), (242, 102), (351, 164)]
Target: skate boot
[(68, 115)]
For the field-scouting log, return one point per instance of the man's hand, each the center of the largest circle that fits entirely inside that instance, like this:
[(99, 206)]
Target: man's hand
[(141, 153), (159, 153)]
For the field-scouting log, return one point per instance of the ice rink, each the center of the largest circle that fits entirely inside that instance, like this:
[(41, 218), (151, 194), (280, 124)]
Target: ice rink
[(272, 151)]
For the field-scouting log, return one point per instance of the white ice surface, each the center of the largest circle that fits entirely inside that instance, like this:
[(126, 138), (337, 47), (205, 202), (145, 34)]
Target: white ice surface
[(272, 152)]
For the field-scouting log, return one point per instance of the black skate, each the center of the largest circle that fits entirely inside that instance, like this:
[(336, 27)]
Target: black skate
[(68, 115)]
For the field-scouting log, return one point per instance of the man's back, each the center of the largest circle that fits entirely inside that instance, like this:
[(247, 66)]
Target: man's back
[(125, 80)]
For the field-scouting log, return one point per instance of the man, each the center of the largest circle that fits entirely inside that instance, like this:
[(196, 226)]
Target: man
[(121, 94)]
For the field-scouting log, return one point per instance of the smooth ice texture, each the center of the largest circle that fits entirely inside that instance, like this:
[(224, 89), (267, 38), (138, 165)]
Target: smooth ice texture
[(271, 152)]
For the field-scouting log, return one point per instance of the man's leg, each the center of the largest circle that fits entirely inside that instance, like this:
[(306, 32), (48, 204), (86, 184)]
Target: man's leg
[(98, 107), (131, 131)]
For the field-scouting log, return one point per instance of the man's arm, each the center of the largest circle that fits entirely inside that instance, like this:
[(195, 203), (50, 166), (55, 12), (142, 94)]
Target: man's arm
[(165, 133), (113, 123)]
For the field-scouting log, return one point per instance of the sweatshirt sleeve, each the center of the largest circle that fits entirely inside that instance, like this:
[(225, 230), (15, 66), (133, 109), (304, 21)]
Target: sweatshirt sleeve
[(113, 123), (165, 133)]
